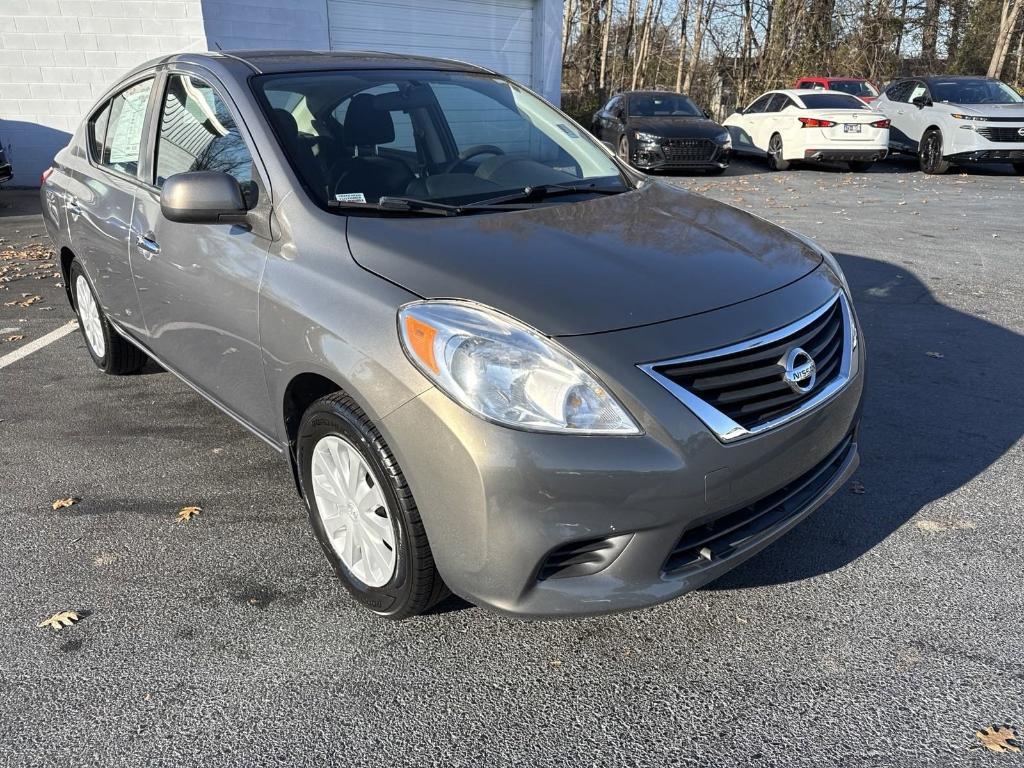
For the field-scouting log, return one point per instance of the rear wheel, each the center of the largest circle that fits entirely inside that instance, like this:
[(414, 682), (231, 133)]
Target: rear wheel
[(776, 162), (362, 511), (107, 348), (859, 166), (929, 154), (1018, 168)]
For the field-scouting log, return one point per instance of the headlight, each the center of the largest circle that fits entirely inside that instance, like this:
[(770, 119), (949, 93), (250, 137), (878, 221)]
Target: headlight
[(647, 138), (976, 118), (725, 139), (506, 372)]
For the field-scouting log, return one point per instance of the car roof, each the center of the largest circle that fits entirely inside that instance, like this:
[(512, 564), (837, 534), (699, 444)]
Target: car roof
[(274, 61), (835, 77), (652, 93), (931, 79)]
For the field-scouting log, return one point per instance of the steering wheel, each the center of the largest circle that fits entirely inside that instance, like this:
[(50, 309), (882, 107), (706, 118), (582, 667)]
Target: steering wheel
[(470, 152)]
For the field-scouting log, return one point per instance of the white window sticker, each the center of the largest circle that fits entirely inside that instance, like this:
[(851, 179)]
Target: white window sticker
[(351, 197)]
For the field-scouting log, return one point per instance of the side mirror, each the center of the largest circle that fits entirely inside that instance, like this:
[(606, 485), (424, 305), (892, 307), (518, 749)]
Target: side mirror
[(921, 102), (203, 197)]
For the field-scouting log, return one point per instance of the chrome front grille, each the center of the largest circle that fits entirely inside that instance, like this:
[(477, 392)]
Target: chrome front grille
[(762, 383)]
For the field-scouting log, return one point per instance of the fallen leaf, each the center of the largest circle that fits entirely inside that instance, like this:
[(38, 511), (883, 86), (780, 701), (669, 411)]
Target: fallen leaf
[(15, 337), (187, 513), (936, 355), (60, 620), (555, 662), (69, 501), (998, 738), (857, 487)]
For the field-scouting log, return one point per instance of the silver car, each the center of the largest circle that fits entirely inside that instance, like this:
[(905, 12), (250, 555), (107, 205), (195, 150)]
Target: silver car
[(497, 360)]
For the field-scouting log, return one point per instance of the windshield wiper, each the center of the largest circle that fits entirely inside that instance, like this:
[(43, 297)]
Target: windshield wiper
[(414, 205), (544, 191)]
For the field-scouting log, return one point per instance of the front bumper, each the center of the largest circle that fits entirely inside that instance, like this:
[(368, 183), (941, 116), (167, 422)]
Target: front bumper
[(690, 153), (969, 144), (500, 506)]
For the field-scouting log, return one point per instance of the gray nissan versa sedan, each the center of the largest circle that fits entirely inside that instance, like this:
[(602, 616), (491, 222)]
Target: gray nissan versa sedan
[(497, 360)]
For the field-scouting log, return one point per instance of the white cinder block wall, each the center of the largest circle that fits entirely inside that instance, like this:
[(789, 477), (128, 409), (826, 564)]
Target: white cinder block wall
[(58, 56)]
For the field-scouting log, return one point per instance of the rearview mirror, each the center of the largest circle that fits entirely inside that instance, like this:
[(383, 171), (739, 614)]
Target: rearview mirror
[(203, 197)]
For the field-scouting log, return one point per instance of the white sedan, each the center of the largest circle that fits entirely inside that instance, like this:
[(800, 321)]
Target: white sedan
[(812, 126)]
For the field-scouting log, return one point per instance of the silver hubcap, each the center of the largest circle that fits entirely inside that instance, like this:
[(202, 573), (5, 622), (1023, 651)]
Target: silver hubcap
[(89, 312), (353, 511)]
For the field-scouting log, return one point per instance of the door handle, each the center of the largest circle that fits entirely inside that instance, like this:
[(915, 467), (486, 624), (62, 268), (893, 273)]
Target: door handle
[(147, 244), (73, 208)]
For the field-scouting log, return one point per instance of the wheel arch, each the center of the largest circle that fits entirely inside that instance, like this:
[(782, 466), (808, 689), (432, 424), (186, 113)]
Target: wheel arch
[(66, 257)]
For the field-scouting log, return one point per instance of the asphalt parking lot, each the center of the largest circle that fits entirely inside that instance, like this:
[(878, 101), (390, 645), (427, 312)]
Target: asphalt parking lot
[(883, 631)]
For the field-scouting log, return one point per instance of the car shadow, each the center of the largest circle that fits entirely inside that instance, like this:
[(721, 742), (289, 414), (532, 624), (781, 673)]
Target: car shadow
[(942, 405)]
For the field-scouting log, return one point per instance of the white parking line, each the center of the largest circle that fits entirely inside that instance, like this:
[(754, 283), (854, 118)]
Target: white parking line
[(38, 344)]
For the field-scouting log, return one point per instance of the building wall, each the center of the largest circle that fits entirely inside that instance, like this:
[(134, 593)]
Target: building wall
[(58, 56)]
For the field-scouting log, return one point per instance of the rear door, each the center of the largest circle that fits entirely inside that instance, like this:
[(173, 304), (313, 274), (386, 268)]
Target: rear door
[(100, 197), (199, 284), (896, 106)]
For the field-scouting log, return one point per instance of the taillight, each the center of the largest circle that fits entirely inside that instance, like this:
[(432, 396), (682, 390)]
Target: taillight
[(813, 122), (46, 174), (881, 123)]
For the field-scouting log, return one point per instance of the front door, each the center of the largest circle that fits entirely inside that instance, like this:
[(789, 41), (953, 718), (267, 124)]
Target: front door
[(198, 284)]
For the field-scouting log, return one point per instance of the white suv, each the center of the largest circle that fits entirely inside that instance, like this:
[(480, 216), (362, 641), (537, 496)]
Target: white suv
[(946, 120)]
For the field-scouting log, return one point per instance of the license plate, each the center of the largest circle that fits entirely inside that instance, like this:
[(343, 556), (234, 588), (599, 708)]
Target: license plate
[(851, 128)]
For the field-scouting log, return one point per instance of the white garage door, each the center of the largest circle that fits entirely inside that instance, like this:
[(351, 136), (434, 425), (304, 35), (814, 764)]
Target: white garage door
[(497, 34)]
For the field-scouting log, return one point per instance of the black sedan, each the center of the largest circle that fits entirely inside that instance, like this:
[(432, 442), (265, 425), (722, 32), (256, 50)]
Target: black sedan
[(658, 130)]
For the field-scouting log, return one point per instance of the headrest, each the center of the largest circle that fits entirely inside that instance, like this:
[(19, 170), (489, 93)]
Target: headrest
[(366, 126), (286, 124)]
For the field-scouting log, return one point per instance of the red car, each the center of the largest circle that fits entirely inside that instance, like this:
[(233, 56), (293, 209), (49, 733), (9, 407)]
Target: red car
[(855, 86)]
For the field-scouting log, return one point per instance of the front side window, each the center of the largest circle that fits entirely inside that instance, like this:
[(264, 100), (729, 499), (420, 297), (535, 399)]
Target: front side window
[(197, 133), (831, 101), (357, 136), (975, 91), (122, 139), (917, 91)]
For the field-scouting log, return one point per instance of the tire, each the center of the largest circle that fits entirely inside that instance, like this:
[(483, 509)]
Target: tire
[(624, 149), (107, 348), (860, 166), (332, 425), (929, 154), (1018, 168), (776, 162)]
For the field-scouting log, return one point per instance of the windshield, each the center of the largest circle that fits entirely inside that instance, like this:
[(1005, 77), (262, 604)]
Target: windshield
[(853, 87), (662, 105), (979, 91), (355, 137), (831, 101)]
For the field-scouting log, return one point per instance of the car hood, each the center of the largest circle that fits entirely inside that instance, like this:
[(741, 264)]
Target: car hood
[(1005, 111), (676, 127), (606, 263)]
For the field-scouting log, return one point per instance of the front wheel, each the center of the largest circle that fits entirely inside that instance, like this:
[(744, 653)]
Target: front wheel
[(859, 166), (929, 155), (108, 349), (624, 149), (362, 511), (776, 161)]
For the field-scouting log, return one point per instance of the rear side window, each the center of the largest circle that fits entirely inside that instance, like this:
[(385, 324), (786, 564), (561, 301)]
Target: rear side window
[(197, 133), (778, 103), (123, 136), (98, 131), (760, 104)]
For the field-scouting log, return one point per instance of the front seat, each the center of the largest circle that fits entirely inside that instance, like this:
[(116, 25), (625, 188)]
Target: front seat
[(366, 128), (301, 150)]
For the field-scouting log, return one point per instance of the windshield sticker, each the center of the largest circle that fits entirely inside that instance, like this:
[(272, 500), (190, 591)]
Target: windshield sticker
[(351, 197), (568, 131)]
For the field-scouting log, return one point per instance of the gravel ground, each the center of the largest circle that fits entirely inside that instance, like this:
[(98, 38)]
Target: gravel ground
[(883, 631)]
